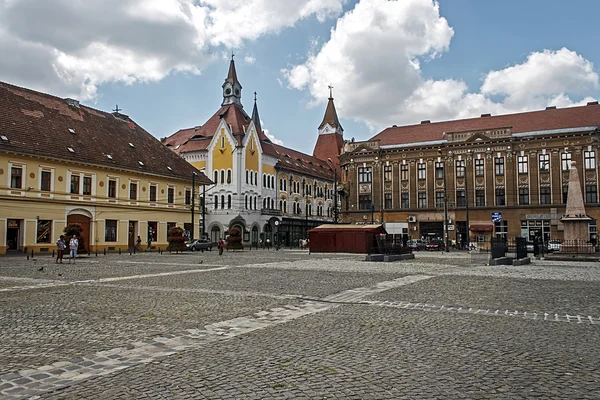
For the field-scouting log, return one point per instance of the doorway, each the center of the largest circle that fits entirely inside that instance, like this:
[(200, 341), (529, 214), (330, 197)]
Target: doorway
[(12, 234), (84, 236), (131, 235)]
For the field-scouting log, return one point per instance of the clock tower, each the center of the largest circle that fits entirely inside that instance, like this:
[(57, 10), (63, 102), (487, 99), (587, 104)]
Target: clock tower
[(331, 134), (232, 89)]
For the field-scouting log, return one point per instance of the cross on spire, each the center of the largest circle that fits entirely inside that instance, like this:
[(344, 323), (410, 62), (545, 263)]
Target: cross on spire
[(232, 54), (117, 109), (255, 96), (330, 91)]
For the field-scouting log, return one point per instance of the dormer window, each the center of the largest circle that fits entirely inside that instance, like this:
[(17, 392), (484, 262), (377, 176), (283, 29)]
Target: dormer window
[(71, 149), (4, 138), (131, 145), (109, 157), (141, 163), (72, 130)]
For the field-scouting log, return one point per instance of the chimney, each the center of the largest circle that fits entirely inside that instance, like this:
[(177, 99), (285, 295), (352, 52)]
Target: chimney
[(592, 103), (551, 108), (426, 121), (486, 115), (72, 102)]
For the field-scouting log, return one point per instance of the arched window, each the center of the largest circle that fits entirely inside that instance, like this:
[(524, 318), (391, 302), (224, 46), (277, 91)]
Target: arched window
[(216, 202), (272, 182), (229, 202), (222, 202), (255, 202), (256, 178), (273, 203), (222, 141), (264, 180), (222, 176), (246, 199), (246, 177), (285, 206), (216, 180), (228, 176)]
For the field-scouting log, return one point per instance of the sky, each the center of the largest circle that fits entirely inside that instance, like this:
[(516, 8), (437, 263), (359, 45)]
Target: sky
[(389, 61)]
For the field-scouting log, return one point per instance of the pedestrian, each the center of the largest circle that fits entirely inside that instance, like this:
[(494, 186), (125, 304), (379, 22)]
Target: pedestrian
[(138, 244), (60, 249), (73, 245), (220, 245)]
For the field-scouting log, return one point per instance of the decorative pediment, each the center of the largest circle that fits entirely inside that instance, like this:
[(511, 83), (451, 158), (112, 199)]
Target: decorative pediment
[(357, 147), (476, 136)]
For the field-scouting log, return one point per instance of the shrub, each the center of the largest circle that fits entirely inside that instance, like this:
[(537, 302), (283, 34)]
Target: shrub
[(74, 229), (176, 239), (234, 241)]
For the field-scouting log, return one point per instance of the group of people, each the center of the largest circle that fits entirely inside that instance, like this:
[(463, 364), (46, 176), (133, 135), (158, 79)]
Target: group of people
[(61, 245)]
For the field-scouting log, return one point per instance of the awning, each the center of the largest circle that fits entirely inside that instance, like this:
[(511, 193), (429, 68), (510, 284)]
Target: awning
[(482, 228)]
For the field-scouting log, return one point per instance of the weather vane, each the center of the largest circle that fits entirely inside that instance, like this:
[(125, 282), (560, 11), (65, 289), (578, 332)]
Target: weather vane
[(117, 109), (254, 96), (330, 91)]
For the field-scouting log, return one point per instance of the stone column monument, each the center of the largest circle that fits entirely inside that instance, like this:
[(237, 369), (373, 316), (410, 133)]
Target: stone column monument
[(576, 221)]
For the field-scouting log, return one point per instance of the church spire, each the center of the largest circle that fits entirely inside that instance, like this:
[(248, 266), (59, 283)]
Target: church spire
[(232, 89), (255, 116), (331, 123)]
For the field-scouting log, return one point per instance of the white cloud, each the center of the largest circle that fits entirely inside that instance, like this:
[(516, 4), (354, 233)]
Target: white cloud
[(70, 47), (272, 137), (373, 59), (249, 60)]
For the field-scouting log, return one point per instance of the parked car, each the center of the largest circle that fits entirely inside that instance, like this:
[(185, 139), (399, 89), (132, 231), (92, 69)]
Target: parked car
[(544, 247), (200, 244), (435, 245), (417, 245), (554, 245)]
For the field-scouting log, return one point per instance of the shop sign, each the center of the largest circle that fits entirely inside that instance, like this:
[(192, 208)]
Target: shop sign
[(12, 223), (544, 216), (496, 217)]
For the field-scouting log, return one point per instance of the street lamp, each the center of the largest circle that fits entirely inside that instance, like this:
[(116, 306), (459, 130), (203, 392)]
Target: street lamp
[(305, 207), (192, 203), (445, 201), (335, 193), (469, 151)]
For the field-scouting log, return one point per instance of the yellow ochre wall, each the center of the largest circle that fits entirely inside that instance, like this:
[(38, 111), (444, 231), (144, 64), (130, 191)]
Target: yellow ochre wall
[(252, 154), (222, 156)]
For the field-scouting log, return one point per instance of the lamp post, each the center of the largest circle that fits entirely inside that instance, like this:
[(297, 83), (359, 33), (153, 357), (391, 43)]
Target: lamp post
[(445, 202), (372, 213), (305, 207), (193, 204), (335, 193), (469, 151)]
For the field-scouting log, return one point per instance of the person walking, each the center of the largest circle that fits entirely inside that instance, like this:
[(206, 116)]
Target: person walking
[(138, 244), (73, 245), (220, 245), (60, 249)]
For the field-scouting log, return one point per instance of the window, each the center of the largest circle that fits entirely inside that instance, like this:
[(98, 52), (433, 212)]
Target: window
[(544, 160), (499, 166), (246, 202), (405, 200), (222, 202), (387, 173), (246, 177), (75, 184), (501, 229), (364, 174), (461, 200), (188, 197), (222, 141), (264, 180), (421, 171), (500, 197), (216, 177), (439, 170), (404, 172), (439, 199), (216, 202), (228, 176), (523, 196), (565, 161), (480, 198), (132, 191), (479, 167), (256, 178), (522, 164), (222, 176), (460, 168), (255, 202), (87, 185), (110, 230), (388, 201), (112, 188), (229, 202), (170, 225), (591, 194), (364, 202), (152, 231), (46, 182), (16, 177), (44, 231), (589, 159), (153, 193), (565, 193), (545, 196), (422, 200), (170, 195)]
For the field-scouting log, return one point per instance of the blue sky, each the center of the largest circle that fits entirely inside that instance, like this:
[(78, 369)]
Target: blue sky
[(164, 62)]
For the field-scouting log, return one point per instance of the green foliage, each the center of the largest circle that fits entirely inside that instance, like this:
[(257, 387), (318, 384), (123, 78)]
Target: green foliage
[(176, 239), (74, 229)]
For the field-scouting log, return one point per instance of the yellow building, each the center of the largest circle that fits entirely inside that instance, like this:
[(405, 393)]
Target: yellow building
[(63, 163), (269, 192)]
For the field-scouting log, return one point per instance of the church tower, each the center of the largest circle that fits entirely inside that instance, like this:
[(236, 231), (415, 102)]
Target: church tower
[(331, 134), (232, 89)]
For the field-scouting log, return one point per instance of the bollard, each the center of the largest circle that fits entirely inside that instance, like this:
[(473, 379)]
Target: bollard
[(89, 252), (32, 253), (96, 252), (52, 253), (119, 251), (27, 256), (133, 249), (105, 251)]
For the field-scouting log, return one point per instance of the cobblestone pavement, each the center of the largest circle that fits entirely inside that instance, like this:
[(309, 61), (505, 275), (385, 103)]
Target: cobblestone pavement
[(286, 324)]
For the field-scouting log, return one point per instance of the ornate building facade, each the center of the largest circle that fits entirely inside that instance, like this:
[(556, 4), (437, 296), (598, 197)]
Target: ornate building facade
[(268, 191), (503, 175)]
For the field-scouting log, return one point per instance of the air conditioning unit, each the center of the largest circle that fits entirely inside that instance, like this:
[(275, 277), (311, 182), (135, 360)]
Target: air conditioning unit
[(412, 218)]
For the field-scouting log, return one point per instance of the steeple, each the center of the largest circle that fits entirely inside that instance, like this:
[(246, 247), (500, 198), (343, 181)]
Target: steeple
[(331, 123), (255, 116), (232, 89)]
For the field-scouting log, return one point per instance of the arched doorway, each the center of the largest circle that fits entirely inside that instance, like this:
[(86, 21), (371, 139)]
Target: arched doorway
[(78, 217), (215, 234), (268, 233), (255, 235)]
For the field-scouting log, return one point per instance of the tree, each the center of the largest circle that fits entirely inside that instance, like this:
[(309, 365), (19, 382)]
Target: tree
[(176, 239), (74, 229), (234, 241)]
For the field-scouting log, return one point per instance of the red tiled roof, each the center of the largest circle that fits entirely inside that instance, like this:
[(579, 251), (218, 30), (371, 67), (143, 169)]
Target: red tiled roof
[(42, 124), (330, 116), (329, 145), (570, 117), (298, 162)]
